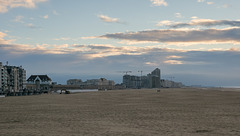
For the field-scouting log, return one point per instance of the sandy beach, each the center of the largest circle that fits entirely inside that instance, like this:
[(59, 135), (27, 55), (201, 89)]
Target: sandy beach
[(173, 112)]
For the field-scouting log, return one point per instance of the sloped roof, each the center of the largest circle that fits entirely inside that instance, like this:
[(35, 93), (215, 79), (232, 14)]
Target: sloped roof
[(42, 77)]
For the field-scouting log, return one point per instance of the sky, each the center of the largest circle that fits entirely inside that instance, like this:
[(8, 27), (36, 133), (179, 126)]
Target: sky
[(196, 42)]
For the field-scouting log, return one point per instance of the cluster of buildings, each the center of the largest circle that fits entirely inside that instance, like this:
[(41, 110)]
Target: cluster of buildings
[(13, 80), (151, 80), (101, 83)]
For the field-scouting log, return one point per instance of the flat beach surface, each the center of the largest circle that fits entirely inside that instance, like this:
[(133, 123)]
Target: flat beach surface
[(173, 112)]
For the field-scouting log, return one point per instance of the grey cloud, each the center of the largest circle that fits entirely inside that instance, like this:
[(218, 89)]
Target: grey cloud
[(99, 47), (208, 35), (198, 67), (208, 23)]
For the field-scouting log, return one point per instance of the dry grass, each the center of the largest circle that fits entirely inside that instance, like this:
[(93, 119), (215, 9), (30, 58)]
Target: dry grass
[(174, 112)]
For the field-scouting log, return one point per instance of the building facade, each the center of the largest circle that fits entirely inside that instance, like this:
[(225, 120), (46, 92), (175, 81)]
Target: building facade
[(74, 82), (131, 81), (12, 79), (152, 80), (3, 78), (39, 83), (171, 84), (155, 78), (91, 82)]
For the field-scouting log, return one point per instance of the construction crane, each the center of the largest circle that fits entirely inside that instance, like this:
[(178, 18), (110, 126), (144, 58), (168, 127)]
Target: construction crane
[(171, 78), (141, 72), (126, 72)]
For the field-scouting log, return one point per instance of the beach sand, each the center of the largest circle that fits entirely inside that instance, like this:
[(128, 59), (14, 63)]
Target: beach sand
[(173, 112)]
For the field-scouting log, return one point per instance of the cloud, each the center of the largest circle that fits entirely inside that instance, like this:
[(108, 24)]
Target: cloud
[(210, 3), (178, 15), (226, 6), (63, 39), (45, 17), (207, 2), (194, 17), (4, 41), (174, 57), (19, 19), (173, 62), (159, 3), (207, 23), (5, 5), (108, 19), (230, 35), (88, 51), (151, 63), (2, 35), (55, 12), (165, 23), (30, 25), (200, 0), (188, 66)]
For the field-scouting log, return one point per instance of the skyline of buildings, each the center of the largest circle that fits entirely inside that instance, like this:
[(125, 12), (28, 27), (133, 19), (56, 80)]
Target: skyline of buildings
[(13, 80), (94, 82), (152, 80)]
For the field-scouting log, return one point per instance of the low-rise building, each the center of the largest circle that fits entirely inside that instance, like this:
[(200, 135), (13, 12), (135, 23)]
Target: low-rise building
[(39, 83), (74, 82), (91, 82), (171, 84)]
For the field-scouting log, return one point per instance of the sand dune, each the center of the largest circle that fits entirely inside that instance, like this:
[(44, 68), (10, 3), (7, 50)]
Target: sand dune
[(175, 112)]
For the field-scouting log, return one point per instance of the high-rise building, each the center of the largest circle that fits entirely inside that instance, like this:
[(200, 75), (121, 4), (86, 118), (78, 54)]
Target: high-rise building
[(3, 78), (155, 78), (16, 79), (13, 79), (131, 81), (152, 80)]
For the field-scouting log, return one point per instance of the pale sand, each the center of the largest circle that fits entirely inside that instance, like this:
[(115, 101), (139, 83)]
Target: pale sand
[(174, 112)]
